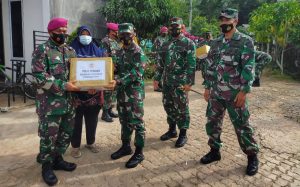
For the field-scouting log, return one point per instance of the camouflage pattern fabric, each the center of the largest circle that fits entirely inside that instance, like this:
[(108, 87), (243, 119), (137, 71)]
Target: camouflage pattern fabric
[(54, 105), (111, 47), (130, 67), (157, 44), (55, 133), (229, 69), (176, 68), (261, 60)]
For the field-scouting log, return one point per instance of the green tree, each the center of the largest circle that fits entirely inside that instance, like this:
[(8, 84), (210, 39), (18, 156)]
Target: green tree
[(202, 25), (275, 23), (146, 15)]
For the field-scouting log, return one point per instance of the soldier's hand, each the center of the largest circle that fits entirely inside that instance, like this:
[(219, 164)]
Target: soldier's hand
[(240, 99), (187, 87), (206, 94), (155, 85), (92, 91), (70, 86)]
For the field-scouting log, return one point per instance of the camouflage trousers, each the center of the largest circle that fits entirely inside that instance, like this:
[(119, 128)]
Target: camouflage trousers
[(259, 66), (55, 132), (131, 118), (176, 105), (239, 117), (109, 99)]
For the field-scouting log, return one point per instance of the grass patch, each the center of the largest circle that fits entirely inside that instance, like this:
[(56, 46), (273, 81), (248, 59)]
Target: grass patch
[(276, 74)]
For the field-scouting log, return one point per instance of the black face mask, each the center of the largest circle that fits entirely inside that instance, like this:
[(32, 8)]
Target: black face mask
[(164, 35), (226, 27), (175, 32), (59, 38), (126, 40)]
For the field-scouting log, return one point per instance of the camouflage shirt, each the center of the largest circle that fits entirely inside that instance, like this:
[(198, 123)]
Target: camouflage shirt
[(130, 67), (110, 45), (178, 62), (50, 64), (229, 66), (158, 42)]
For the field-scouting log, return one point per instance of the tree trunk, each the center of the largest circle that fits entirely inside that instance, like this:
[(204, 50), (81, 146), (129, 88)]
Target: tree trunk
[(281, 61)]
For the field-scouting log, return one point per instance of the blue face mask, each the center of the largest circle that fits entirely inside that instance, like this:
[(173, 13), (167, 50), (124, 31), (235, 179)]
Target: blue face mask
[(85, 39)]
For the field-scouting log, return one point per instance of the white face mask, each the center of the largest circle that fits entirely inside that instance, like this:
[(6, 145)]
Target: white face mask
[(85, 39)]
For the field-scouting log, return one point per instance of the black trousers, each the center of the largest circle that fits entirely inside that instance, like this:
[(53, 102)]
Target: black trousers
[(90, 114)]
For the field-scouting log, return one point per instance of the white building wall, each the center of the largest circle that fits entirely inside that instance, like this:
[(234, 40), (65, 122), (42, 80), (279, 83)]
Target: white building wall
[(36, 15)]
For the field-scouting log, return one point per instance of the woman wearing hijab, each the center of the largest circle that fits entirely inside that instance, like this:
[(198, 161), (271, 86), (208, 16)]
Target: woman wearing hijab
[(88, 103)]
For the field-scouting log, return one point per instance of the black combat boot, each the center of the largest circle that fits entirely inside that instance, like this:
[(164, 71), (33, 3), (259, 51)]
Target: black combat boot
[(112, 114), (172, 133), (123, 151), (136, 158), (256, 82), (252, 167), (182, 139), (48, 174), (213, 155), (106, 117), (60, 164)]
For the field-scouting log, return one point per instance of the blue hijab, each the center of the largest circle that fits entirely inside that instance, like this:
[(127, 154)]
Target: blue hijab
[(86, 51)]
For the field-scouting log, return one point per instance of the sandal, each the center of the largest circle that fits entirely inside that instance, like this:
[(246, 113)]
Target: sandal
[(93, 148), (76, 153)]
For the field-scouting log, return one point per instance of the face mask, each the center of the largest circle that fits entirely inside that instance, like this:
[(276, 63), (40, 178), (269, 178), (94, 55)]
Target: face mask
[(59, 38), (175, 32), (85, 39), (163, 34), (226, 27), (126, 40)]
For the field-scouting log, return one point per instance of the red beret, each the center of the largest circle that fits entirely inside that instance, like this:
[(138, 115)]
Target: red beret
[(112, 26), (56, 23)]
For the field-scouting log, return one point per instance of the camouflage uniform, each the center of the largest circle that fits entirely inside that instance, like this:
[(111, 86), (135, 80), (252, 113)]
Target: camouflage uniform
[(111, 47), (261, 59), (176, 69), (130, 66), (158, 42), (229, 69), (54, 105)]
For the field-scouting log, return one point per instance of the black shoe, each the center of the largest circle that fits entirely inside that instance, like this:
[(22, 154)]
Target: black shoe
[(123, 151), (106, 117), (48, 174), (212, 156), (135, 160), (168, 135), (60, 164), (182, 139), (252, 167), (112, 114), (256, 82)]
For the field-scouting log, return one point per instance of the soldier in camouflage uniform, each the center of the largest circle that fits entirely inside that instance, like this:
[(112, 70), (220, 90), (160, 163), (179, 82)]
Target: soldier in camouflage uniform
[(111, 45), (261, 60), (130, 67), (158, 42), (229, 74), (176, 68), (54, 104)]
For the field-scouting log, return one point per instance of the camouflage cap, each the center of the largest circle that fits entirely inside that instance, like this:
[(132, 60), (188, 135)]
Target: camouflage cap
[(176, 20), (229, 13), (126, 27)]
